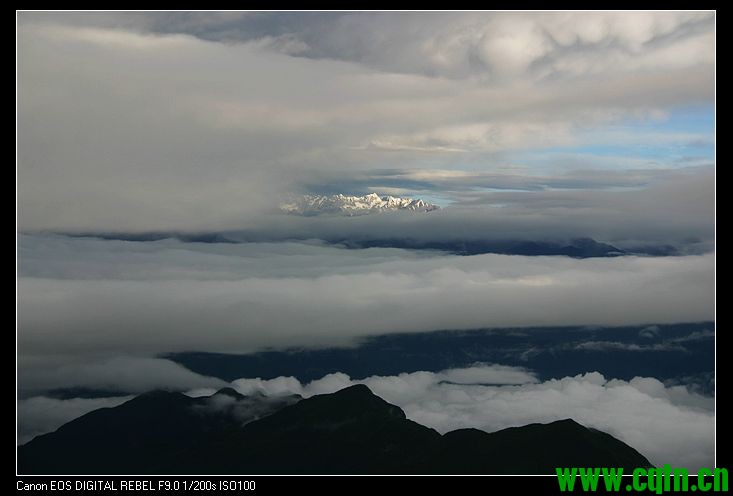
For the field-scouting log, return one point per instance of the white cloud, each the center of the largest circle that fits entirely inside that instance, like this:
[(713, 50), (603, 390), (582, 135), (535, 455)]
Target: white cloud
[(485, 137)]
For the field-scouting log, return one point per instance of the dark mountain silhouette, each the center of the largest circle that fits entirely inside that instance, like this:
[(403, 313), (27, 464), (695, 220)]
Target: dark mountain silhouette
[(351, 431), (576, 248)]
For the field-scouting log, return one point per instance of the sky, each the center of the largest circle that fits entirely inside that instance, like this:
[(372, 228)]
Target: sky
[(136, 127)]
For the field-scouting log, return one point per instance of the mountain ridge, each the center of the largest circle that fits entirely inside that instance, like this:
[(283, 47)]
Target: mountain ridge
[(351, 431)]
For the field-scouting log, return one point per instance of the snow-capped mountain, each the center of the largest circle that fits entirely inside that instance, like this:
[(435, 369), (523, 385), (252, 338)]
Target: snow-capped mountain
[(354, 205)]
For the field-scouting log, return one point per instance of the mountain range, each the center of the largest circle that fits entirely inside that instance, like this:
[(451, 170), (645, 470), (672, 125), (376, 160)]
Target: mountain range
[(575, 248), (310, 205), (351, 431)]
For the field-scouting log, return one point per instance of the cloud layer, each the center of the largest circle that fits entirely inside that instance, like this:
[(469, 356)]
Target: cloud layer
[(129, 374), (89, 296)]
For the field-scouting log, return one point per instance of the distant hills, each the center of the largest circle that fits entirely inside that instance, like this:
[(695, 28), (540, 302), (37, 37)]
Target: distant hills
[(351, 431), (681, 353), (575, 248)]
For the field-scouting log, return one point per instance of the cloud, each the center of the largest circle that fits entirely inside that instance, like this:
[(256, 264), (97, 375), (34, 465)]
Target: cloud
[(649, 332), (518, 178), (482, 374), (617, 346), (695, 336), (39, 415), (90, 296), (60, 257), (130, 374), (102, 144), (629, 209), (664, 210), (486, 137), (667, 424), (244, 410), (491, 45)]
